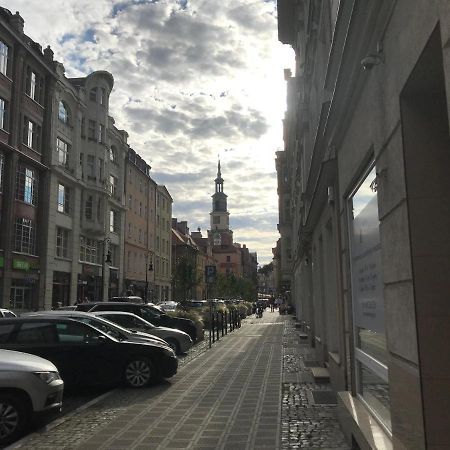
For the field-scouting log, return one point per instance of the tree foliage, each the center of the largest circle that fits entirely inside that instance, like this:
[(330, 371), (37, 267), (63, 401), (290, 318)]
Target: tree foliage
[(230, 286)]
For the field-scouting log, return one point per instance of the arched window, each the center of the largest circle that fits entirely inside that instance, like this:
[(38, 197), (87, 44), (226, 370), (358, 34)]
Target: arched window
[(63, 112)]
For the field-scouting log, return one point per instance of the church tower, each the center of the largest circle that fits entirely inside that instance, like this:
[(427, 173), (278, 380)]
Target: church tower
[(219, 216)]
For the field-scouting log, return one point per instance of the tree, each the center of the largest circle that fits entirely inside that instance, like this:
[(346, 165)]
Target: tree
[(265, 270), (184, 279), (230, 286)]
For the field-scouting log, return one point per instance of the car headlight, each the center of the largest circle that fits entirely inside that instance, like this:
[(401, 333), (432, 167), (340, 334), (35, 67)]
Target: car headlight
[(48, 377)]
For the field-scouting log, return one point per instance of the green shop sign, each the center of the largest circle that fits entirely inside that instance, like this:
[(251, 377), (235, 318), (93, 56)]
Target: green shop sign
[(2, 261), (20, 264)]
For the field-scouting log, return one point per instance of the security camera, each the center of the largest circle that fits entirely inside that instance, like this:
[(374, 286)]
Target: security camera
[(369, 61)]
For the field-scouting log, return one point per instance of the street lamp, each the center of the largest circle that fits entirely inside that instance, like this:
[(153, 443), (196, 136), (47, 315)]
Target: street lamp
[(148, 268), (105, 259)]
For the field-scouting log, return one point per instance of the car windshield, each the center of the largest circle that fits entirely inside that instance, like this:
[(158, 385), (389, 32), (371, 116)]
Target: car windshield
[(105, 326)]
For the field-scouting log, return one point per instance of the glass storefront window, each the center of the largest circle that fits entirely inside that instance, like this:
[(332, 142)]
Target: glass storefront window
[(368, 300), (375, 392)]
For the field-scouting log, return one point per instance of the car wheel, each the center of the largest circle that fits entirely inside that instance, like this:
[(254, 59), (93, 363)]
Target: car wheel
[(174, 345), (13, 417), (139, 372)]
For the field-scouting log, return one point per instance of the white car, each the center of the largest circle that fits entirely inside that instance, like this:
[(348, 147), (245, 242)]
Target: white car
[(28, 385), (168, 306), (6, 313), (178, 340)]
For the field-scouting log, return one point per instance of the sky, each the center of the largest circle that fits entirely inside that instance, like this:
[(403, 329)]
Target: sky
[(195, 80)]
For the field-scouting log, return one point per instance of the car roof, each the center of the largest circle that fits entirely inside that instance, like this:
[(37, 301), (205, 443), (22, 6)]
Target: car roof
[(99, 313)]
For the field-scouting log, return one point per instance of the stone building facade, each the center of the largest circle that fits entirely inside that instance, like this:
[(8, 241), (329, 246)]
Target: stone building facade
[(27, 83), (140, 194), (86, 204), (367, 148), (163, 245)]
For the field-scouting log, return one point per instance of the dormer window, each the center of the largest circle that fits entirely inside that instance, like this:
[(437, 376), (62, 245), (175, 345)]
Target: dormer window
[(63, 112)]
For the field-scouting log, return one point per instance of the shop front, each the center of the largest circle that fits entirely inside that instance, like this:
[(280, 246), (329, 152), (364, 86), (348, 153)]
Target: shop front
[(24, 294), (369, 336), (61, 289)]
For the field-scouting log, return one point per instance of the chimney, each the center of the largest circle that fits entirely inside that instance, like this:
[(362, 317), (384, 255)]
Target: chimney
[(17, 22)]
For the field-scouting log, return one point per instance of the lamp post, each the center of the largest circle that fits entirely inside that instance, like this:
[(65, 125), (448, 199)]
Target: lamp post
[(148, 268), (105, 259)]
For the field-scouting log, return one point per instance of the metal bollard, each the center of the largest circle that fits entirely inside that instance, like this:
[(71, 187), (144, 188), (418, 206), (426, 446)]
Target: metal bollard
[(217, 318), (226, 323), (212, 328)]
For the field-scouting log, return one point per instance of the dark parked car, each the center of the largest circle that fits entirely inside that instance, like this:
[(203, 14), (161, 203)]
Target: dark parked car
[(103, 324), (150, 313), (85, 355)]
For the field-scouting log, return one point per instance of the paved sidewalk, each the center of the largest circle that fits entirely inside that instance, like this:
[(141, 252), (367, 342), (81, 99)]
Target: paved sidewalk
[(230, 397)]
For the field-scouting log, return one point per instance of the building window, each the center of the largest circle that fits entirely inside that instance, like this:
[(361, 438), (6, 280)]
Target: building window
[(20, 296), (89, 207), (63, 199), (93, 94), (62, 242), (102, 96), (26, 185), (113, 185), (113, 154), (88, 250), (228, 258), (92, 125), (113, 221), (129, 229), (63, 112), (101, 133), (25, 236), (371, 355), (83, 126), (2, 170), (4, 116), (4, 50), (130, 202), (140, 235), (31, 134), (62, 148), (140, 208), (101, 164), (90, 163), (34, 86)]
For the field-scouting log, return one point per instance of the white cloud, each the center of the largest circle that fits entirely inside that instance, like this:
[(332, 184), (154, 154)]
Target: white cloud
[(193, 79)]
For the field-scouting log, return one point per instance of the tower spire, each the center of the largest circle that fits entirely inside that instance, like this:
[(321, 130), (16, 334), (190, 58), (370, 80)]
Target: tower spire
[(219, 175)]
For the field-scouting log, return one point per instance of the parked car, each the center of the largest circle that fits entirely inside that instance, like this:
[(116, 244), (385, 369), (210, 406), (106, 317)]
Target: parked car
[(85, 355), (101, 323), (151, 313), (6, 313), (67, 308), (29, 385), (168, 306), (193, 304), (179, 341), (129, 298)]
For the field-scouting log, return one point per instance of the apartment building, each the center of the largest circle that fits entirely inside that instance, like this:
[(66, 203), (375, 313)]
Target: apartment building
[(85, 221), (27, 83), (140, 193), (163, 245), (367, 154)]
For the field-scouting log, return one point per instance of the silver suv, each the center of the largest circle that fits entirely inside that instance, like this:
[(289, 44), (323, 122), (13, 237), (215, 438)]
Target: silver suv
[(28, 384)]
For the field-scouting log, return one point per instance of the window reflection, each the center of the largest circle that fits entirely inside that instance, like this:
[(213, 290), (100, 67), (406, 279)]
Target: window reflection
[(375, 392)]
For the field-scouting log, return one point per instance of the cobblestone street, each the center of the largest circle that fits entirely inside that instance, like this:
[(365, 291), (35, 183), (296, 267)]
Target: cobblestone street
[(250, 391)]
